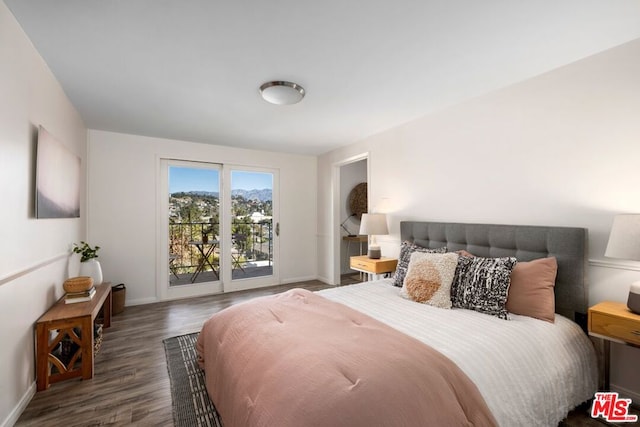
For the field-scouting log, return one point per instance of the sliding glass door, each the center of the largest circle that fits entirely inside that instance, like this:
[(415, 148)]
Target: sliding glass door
[(254, 227), (189, 248), (218, 228)]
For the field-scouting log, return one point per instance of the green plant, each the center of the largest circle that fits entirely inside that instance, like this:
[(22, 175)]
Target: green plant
[(86, 251)]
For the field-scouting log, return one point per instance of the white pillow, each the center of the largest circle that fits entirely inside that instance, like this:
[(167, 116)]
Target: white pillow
[(429, 277)]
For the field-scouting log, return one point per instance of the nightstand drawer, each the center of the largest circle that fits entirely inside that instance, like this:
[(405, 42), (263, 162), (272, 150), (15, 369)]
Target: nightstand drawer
[(613, 321), (376, 266), (615, 327)]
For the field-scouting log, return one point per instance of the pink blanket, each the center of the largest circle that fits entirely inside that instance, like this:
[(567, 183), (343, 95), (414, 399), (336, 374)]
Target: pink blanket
[(297, 359)]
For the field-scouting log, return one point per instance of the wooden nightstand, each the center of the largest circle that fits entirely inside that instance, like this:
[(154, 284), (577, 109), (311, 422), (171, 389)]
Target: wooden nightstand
[(613, 321), (373, 267)]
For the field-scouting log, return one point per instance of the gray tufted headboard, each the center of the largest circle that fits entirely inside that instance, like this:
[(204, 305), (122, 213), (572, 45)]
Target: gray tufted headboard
[(525, 242)]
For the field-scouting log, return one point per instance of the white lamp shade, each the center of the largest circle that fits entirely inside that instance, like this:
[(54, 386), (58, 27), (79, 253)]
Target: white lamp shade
[(373, 224), (624, 240)]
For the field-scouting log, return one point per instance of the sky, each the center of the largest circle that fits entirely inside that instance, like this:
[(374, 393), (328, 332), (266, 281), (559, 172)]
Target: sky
[(199, 179)]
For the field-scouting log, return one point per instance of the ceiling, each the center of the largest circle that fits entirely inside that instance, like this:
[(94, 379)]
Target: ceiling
[(190, 69)]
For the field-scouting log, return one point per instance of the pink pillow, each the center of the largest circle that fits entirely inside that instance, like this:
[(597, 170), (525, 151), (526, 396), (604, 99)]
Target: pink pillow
[(462, 252), (531, 289)]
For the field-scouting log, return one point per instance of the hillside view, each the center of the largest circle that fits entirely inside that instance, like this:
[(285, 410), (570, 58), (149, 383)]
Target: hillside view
[(195, 216)]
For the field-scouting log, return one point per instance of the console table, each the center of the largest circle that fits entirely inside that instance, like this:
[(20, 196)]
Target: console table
[(70, 324), (357, 239)]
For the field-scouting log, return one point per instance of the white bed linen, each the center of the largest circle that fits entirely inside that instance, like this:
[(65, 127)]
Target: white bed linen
[(530, 372)]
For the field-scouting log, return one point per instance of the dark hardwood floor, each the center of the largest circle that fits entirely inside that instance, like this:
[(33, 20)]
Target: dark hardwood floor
[(131, 385)]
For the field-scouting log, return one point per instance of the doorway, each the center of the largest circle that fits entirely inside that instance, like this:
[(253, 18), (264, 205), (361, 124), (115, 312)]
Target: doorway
[(351, 176)]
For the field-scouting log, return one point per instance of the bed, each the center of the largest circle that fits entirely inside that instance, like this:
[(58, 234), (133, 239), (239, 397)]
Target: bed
[(366, 355)]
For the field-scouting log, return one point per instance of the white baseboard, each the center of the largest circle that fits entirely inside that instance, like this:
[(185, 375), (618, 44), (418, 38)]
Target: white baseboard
[(141, 301), (626, 393), (20, 407), (298, 279), (324, 280)]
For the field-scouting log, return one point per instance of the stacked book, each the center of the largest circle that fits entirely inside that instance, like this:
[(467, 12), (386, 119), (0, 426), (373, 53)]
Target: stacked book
[(83, 296)]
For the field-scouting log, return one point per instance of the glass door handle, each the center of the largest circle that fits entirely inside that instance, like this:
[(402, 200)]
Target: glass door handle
[(277, 229)]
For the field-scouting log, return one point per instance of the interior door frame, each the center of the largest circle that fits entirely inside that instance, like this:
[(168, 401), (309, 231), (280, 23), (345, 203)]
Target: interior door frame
[(336, 235)]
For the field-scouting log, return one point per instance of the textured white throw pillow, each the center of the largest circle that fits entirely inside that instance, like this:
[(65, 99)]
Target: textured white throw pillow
[(429, 278)]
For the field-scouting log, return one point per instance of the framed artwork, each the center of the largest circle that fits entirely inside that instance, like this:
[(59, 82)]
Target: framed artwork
[(57, 179)]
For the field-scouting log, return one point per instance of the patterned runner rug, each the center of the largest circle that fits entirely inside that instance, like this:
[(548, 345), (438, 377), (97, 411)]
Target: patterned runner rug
[(191, 403)]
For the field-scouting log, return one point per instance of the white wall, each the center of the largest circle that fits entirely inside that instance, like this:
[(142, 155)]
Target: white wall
[(122, 205), (560, 149), (33, 253), (351, 175)]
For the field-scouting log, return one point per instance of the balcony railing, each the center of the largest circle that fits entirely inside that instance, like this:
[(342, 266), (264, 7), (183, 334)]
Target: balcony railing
[(251, 251)]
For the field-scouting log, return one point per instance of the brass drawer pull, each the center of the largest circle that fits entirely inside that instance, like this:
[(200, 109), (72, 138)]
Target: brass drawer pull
[(637, 333)]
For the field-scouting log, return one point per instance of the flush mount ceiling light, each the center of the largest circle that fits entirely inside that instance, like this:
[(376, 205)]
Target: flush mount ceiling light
[(282, 93)]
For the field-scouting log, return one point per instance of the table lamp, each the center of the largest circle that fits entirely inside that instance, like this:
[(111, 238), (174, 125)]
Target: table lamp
[(372, 225), (624, 242)]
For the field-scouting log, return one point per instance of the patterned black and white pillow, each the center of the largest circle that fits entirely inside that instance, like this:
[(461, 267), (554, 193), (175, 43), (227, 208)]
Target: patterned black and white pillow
[(482, 284), (406, 249)]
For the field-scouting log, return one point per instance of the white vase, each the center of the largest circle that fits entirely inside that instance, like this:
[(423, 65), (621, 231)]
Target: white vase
[(92, 269)]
